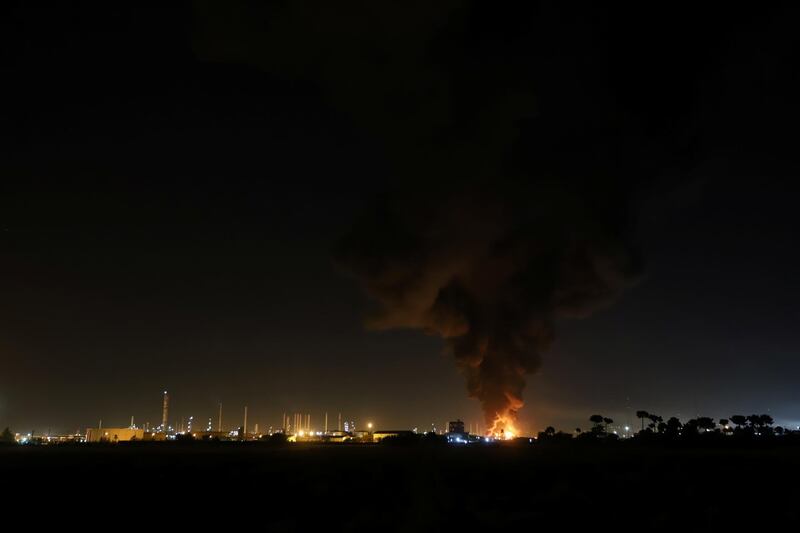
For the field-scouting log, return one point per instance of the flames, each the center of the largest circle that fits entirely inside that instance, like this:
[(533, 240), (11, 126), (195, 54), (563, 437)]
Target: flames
[(503, 428)]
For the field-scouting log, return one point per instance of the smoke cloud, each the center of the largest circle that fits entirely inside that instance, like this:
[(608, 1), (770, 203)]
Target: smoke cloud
[(508, 162), (490, 269)]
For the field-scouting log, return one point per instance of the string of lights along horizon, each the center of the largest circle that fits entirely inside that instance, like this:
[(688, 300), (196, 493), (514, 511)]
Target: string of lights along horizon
[(297, 427)]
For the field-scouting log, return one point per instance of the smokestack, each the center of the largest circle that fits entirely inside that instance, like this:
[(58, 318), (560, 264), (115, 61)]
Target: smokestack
[(131, 421), (244, 427), (219, 423), (165, 412), (340, 421), (326, 422)]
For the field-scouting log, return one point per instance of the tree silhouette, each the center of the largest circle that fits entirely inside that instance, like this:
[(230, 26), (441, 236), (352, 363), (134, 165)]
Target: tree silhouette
[(765, 424), (673, 427), (654, 421), (7, 437), (607, 422), (642, 415), (705, 423), (690, 427), (739, 420), (597, 420)]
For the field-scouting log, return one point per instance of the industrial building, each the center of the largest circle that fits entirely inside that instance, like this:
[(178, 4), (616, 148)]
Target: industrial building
[(456, 426), (113, 434)]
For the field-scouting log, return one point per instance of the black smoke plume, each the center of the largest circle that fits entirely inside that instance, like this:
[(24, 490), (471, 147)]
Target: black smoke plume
[(507, 155), (490, 269)]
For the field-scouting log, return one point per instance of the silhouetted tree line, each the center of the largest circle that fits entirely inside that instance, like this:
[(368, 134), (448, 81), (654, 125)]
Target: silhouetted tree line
[(752, 426), (654, 428)]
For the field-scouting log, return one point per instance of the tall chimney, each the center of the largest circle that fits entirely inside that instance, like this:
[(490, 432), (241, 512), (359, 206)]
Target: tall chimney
[(165, 412), (244, 427), (340, 421), (219, 423), (326, 422)]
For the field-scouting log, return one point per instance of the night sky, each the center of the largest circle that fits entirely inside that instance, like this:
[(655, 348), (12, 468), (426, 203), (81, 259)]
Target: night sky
[(176, 186)]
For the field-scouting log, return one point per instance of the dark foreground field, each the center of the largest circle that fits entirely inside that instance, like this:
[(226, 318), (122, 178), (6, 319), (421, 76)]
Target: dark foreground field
[(401, 488)]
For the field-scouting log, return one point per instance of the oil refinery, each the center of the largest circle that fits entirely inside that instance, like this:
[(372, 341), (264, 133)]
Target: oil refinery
[(294, 428)]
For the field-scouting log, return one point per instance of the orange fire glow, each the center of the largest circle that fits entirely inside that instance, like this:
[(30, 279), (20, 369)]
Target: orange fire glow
[(503, 428)]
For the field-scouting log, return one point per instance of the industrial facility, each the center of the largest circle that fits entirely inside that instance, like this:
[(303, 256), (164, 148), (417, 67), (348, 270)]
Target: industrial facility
[(295, 427)]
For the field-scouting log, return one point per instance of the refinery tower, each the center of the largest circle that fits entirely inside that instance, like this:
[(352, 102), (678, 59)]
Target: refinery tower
[(165, 412)]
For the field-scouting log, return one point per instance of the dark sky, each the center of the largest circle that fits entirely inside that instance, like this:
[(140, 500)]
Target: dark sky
[(174, 183)]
